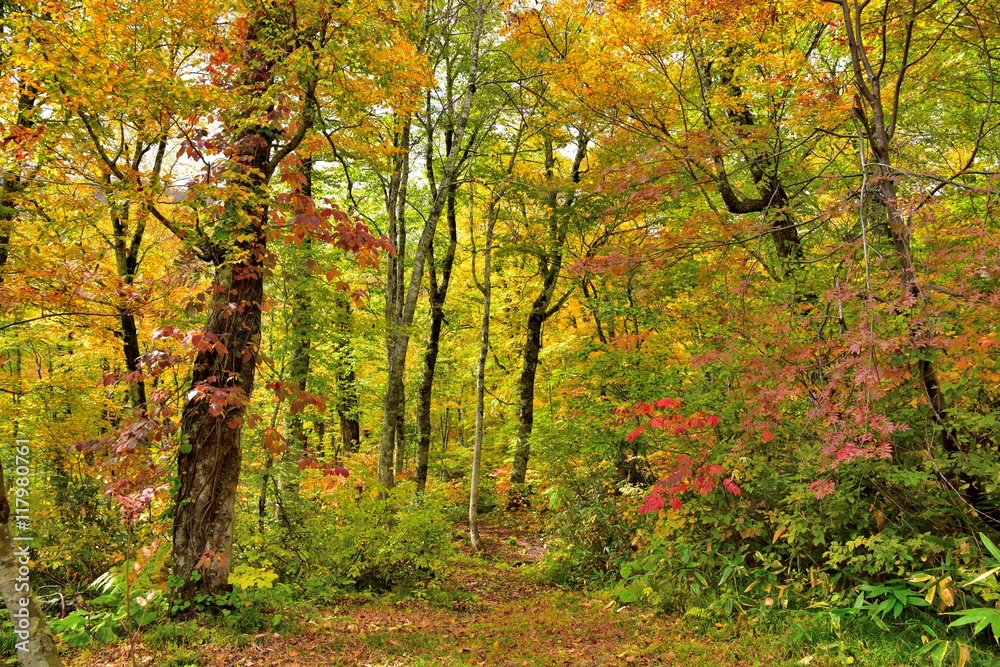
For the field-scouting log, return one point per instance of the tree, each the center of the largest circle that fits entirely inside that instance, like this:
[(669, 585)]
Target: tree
[(405, 306), (550, 260), (877, 111)]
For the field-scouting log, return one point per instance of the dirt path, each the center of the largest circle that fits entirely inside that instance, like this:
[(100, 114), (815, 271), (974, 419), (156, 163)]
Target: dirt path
[(485, 612)]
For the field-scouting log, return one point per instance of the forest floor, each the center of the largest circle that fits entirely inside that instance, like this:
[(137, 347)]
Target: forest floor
[(495, 615)]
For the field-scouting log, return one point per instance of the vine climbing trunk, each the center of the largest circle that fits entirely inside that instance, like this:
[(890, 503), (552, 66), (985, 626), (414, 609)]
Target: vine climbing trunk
[(222, 381)]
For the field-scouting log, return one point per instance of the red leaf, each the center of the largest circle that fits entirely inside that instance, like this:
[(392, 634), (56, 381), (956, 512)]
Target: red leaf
[(654, 502), (766, 435), (732, 488), (675, 502), (703, 485), (634, 435)]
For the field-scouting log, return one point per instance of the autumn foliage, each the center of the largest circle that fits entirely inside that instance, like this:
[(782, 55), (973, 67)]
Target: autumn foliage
[(707, 289)]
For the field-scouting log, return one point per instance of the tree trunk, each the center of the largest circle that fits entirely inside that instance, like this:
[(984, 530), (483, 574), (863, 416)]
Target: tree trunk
[(526, 389), (222, 382), (484, 347), (389, 463), (34, 643), (11, 185), (209, 460), (400, 436), (126, 250), (347, 389), (347, 410), (301, 335), (438, 294), (541, 310), (772, 200), (424, 399)]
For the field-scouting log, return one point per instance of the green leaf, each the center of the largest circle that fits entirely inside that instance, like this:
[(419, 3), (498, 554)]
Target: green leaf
[(989, 545)]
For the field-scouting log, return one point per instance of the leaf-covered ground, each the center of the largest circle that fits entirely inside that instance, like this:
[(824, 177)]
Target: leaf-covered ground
[(486, 612)]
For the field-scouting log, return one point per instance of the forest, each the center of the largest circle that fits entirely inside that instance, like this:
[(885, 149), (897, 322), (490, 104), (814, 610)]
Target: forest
[(499, 332)]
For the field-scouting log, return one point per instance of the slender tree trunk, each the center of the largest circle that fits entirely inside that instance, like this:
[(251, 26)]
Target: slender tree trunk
[(347, 386), (301, 352), (484, 347), (424, 399), (400, 437), (126, 248), (126, 257), (389, 454), (438, 294), (526, 389), (347, 411)]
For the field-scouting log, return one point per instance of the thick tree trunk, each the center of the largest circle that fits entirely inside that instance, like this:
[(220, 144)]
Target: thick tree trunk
[(222, 380), (222, 383), (210, 457), (34, 643)]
